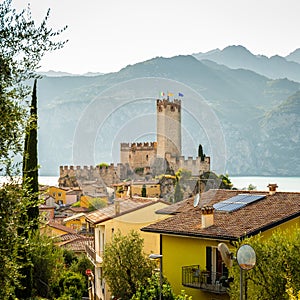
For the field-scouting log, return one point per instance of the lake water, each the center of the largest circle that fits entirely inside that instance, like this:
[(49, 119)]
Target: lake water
[(285, 184)]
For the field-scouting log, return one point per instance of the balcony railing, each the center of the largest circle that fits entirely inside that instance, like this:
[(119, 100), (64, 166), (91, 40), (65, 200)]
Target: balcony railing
[(92, 255), (212, 282)]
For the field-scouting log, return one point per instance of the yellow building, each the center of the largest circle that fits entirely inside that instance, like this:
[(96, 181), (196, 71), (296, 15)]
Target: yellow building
[(123, 216), (59, 194), (152, 188), (189, 239), (77, 222)]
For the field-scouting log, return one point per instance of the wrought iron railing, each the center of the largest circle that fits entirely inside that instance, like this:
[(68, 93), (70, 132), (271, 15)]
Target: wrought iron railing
[(194, 277)]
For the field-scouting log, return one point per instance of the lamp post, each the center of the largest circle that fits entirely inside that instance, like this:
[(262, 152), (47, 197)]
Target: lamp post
[(158, 256)]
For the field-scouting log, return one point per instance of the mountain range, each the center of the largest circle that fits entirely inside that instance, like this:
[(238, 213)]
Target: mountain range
[(244, 109)]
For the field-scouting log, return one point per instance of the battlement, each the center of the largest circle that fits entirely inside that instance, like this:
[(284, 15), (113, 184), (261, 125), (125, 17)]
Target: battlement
[(138, 146), (195, 165), (64, 170), (166, 103)]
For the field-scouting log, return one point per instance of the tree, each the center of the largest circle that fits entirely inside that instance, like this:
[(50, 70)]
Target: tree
[(30, 160), (125, 266), (22, 45), (200, 152), (151, 290), (276, 274), (48, 262)]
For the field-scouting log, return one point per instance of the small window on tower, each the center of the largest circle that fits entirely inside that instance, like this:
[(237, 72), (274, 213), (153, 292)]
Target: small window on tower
[(147, 157), (129, 156)]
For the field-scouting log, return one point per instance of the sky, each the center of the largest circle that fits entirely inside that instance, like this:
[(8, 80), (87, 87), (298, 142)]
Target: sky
[(107, 35)]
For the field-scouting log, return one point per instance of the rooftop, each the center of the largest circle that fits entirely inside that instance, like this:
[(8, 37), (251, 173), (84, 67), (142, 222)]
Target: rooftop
[(249, 220), (126, 206)]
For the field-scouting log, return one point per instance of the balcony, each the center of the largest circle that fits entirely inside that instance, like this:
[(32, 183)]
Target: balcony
[(203, 280), (92, 255)]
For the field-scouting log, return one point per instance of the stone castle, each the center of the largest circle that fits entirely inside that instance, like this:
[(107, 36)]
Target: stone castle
[(147, 158)]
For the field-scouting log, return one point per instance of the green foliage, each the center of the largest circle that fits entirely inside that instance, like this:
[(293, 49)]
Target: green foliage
[(69, 257), (30, 160), (103, 165), (151, 290), (48, 262), (276, 274), (97, 203), (214, 181), (225, 182), (23, 44), (125, 266), (251, 187), (200, 153), (71, 286)]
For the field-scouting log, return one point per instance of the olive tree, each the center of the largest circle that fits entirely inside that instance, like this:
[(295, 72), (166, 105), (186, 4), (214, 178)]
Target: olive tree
[(125, 266)]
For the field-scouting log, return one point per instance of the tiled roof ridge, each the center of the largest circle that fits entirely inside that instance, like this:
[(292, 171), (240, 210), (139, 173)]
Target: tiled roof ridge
[(61, 227)]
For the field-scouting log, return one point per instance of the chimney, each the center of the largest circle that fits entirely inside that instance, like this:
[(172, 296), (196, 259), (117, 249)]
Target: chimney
[(272, 188), (207, 218), (117, 207)]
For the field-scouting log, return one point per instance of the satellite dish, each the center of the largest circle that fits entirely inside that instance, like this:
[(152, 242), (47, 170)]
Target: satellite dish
[(196, 200), (225, 254)]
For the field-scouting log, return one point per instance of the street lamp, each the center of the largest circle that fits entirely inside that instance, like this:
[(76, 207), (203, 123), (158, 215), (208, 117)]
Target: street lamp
[(158, 256)]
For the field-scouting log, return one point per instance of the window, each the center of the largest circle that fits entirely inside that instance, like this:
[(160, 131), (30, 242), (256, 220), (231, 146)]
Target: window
[(59, 194), (214, 265), (147, 157)]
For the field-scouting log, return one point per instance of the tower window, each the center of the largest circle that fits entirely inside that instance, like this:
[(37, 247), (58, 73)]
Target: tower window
[(147, 157)]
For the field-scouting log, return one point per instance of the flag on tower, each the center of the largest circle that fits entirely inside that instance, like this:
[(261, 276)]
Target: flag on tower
[(180, 95), (170, 94), (162, 94)]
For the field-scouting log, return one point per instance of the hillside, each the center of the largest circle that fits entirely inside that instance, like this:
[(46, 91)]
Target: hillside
[(83, 119)]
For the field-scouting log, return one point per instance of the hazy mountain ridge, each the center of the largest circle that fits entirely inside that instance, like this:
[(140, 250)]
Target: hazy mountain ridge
[(244, 101), (238, 57)]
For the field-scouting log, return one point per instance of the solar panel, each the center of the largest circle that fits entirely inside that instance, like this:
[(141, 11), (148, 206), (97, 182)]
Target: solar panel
[(237, 202), (232, 207), (251, 198)]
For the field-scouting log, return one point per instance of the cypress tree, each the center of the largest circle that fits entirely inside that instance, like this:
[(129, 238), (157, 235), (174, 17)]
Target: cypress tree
[(30, 160), (200, 153), (30, 186)]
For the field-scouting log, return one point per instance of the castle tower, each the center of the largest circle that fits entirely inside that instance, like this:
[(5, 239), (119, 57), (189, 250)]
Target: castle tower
[(168, 127)]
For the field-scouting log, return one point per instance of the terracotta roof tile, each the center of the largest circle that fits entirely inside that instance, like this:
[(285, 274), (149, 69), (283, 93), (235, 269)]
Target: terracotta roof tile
[(126, 206), (253, 218)]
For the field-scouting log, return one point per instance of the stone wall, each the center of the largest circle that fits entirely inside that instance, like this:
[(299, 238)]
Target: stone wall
[(196, 166), (138, 155), (102, 176)]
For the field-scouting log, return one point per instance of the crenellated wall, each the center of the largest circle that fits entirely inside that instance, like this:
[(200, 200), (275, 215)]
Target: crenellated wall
[(101, 175), (196, 166)]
